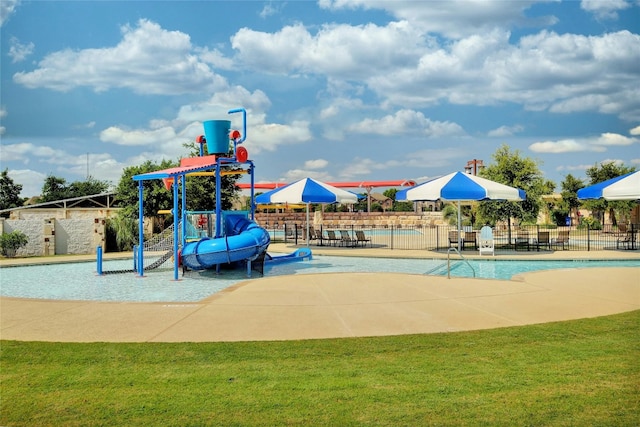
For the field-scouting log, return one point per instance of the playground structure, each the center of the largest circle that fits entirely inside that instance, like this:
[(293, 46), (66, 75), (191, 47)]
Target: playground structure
[(236, 239)]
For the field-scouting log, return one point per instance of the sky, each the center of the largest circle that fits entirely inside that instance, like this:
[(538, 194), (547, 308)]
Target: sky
[(337, 90)]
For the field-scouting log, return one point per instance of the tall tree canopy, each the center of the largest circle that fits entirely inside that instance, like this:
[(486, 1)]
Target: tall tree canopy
[(56, 188), (9, 192), (570, 187), (510, 168)]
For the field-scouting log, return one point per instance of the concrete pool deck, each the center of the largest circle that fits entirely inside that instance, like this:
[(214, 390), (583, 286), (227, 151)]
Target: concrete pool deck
[(336, 305)]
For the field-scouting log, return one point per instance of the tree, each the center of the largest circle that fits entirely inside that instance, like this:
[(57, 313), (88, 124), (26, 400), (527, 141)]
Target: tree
[(9, 192), (88, 187), (602, 173), (155, 198), (570, 187), (54, 188), (511, 169)]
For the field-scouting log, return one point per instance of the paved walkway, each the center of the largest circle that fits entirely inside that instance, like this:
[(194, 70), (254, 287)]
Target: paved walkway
[(338, 304)]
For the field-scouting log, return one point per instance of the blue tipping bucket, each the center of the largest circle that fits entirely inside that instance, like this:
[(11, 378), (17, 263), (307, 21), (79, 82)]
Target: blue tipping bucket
[(217, 134)]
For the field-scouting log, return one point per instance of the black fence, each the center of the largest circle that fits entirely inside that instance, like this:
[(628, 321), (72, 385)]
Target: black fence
[(520, 238)]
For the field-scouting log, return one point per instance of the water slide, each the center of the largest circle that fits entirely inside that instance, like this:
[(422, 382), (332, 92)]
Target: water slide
[(244, 241)]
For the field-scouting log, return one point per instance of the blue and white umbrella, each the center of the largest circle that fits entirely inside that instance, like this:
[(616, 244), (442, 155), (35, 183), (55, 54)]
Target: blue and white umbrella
[(461, 187), (624, 187), (307, 190)]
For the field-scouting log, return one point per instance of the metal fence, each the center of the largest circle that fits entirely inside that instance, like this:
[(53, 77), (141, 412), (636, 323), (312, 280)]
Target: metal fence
[(520, 238)]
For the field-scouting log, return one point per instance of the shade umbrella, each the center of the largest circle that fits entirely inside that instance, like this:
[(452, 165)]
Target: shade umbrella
[(307, 190), (624, 187), (461, 187)]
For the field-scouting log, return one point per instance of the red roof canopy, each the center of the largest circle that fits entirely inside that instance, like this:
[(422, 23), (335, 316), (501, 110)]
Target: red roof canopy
[(353, 184)]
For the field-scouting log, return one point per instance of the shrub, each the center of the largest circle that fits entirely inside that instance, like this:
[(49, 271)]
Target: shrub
[(11, 242), (589, 222)]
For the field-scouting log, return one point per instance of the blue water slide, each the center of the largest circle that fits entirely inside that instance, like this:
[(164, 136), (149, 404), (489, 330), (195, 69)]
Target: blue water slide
[(244, 241)]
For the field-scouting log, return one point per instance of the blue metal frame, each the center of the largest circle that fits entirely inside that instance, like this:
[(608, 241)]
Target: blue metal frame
[(180, 214)]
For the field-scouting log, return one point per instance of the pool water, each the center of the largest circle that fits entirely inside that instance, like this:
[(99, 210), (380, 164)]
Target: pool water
[(79, 281)]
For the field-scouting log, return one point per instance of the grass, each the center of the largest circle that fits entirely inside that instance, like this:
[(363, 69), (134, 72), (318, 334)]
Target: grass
[(584, 372)]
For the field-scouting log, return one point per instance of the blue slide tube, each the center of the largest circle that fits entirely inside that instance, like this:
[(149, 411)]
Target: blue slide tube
[(250, 241)]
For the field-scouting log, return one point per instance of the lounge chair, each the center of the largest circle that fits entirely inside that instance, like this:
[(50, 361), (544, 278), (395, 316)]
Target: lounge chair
[(522, 239), (470, 238), (487, 243), (562, 239), (346, 239), (361, 238), (332, 238), (543, 240)]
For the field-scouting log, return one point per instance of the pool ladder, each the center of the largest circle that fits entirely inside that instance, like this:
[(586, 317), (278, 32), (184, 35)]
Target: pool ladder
[(449, 263)]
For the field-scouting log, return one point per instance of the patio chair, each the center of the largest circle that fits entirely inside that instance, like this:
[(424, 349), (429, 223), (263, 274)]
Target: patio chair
[(346, 239), (453, 238), (361, 238), (543, 240), (487, 244), (622, 230), (522, 240), (562, 239), (470, 238), (626, 241)]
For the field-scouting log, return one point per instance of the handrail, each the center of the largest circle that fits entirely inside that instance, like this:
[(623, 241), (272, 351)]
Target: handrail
[(436, 268), (461, 257)]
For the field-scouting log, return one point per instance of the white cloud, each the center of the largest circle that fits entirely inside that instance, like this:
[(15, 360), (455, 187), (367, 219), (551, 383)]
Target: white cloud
[(503, 131), (297, 174), (406, 122), (148, 60), (604, 9), (404, 66), (120, 136), (635, 131), (30, 180), (336, 50), (7, 8), (597, 144), (562, 146), (18, 51), (316, 164), (25, 152), (609, 139), (452, 18), (3, 113), (271, 9), (88, 125)]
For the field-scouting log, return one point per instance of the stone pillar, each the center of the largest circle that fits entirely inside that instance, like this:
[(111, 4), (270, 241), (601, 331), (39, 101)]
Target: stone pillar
[(99, 228), (49, 237)]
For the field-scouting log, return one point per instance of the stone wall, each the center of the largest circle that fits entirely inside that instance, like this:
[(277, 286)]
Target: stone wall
[(53, 236), (357, 219)]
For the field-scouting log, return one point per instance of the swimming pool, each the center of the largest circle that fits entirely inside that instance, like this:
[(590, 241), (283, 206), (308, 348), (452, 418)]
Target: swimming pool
[(78, 281)]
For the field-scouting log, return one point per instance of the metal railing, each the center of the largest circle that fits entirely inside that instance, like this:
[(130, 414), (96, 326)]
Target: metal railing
[(437, 238), (461, 257)]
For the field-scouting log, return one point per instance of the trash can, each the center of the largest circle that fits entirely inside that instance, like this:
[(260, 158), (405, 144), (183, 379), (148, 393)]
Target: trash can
[(567, 221)]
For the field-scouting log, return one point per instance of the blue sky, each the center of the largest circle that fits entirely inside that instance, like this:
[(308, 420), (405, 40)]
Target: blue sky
[(338, 90)]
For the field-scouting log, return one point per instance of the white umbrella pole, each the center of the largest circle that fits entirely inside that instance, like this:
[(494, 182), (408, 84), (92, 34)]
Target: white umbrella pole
[(459, 228), (308, 223)]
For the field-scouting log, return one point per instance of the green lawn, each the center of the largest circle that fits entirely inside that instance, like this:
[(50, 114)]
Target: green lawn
[(576, 373)]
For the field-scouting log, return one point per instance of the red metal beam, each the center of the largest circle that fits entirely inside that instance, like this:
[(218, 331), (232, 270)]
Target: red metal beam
[(352, 184)]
